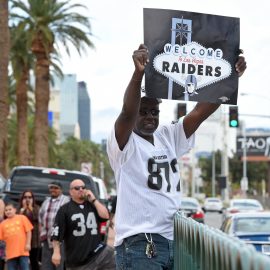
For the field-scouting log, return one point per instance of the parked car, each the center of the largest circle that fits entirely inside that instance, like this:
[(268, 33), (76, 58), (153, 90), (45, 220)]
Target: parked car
[(101, 189), (213, 205), (252, 227), (38, 178), (191, 208), (242, 205)]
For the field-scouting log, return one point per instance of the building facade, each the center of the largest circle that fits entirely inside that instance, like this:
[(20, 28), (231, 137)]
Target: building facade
[(84, 111)]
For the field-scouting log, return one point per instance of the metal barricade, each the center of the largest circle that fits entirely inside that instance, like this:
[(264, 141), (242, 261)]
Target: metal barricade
[(200, 247)]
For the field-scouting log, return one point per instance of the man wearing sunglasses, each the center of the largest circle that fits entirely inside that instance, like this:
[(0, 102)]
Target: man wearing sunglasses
[(47, 215), (77, 224), (144, 160)]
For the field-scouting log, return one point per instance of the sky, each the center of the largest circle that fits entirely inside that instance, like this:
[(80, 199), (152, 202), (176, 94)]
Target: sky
[(117, 28)]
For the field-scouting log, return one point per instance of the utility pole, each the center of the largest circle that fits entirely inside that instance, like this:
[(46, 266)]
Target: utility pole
[(224, 157), (244, 180), (213, 173)]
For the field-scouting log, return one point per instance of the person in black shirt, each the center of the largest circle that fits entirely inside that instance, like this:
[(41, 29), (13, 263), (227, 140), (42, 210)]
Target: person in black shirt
[(77, 224)]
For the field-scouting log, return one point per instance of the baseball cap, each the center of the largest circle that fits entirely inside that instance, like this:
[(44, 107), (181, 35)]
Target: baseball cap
[(55, 184)]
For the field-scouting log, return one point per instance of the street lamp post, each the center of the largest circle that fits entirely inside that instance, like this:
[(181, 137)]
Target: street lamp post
[(244, 181), (225, 159)]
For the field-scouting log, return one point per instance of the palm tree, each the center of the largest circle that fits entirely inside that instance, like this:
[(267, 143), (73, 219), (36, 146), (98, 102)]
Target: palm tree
[(4, 108), (21, 60), (48, 23)]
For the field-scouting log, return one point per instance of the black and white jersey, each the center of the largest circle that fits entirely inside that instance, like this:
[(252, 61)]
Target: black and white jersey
[(78, 226), (148, 181)]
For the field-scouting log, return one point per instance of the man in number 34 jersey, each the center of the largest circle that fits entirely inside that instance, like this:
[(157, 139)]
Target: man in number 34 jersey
[(77, 224), (144, 160)]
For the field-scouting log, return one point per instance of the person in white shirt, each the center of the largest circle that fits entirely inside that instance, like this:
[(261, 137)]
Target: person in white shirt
[(144, 159)]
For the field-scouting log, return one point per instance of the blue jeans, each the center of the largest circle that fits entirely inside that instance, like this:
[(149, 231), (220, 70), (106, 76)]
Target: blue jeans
[(130, 255), (18, 263)]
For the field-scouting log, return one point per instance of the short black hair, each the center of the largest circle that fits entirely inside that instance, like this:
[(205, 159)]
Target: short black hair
[(151, 99)]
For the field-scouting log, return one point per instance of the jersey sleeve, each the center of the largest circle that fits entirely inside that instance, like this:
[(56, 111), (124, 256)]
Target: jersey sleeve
[(59, 227), (117, 156), (176, 135), (99, 219)]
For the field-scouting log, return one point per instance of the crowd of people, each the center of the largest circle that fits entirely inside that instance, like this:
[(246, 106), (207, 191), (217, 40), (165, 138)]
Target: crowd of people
[(33, 236), (141, 154)]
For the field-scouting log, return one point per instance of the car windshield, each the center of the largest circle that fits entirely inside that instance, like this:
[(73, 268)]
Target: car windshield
[(213, 200), (188, 204), (246, 205), (253, 224)]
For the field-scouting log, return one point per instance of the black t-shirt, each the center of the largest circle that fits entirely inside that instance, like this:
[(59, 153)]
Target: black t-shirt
[(78, 225)]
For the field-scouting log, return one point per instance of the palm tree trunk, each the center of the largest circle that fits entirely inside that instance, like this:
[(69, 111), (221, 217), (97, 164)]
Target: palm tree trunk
[(42, 96), (23, 156), (4, 107)]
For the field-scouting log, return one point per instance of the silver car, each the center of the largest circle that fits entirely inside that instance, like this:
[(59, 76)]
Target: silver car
[(213, 205), (252, 227), (243, 205)]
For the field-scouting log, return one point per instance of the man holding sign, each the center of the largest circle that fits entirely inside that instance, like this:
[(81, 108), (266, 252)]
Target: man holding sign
[(144, 160)]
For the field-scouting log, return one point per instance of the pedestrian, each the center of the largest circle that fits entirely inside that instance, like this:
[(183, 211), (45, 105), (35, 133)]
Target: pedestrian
[(2, 243), (46, 218), (29, 208), (77, 224), (144, 160), (15, 230)]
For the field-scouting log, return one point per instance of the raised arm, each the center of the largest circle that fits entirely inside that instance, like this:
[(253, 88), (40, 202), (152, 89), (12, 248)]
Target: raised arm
[(101, 209), (131, 103), (203, 110)]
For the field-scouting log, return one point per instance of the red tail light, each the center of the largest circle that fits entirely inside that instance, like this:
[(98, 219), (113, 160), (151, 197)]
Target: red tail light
[(198, 214), (103, 227), (232, 211)]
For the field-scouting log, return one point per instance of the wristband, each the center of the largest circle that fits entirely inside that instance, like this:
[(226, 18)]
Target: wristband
[(94, 201)]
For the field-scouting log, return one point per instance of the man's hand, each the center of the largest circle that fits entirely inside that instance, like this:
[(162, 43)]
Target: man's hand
[(241, 65), (89, 195), (56, 258), (140, 58)]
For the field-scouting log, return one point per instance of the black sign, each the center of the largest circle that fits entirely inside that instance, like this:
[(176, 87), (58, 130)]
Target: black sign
[(222, 181), (255, 145), (192, 56)]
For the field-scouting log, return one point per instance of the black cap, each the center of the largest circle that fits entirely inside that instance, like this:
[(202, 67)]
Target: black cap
[(55, 184)]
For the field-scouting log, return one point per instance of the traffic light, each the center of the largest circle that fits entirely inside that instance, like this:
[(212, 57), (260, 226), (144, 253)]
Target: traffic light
[(181, 110), (233, 116)]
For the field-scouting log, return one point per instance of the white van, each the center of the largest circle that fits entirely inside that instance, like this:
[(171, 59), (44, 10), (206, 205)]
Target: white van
[(103, 197), (101, 189)]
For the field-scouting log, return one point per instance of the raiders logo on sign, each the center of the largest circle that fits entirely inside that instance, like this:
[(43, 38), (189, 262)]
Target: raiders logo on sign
[(192, 56)]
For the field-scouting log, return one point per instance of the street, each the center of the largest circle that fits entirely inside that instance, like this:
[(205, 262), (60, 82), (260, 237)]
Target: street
[(213, 219)]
